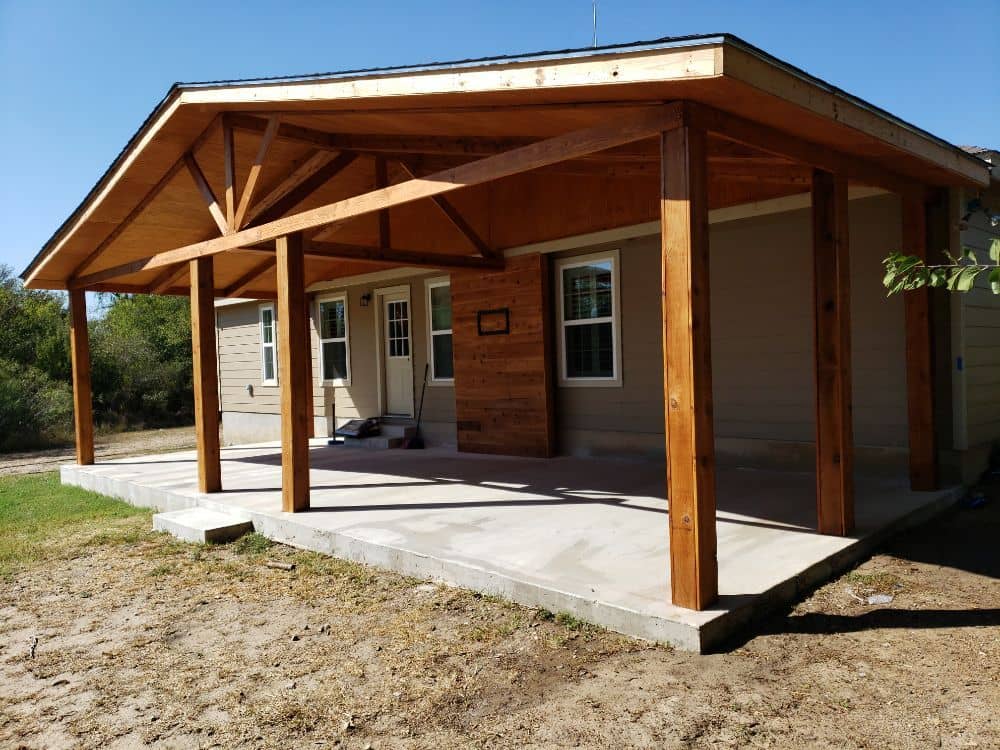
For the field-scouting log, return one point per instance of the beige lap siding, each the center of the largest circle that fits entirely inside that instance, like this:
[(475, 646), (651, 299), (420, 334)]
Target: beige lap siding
[(360, 399), (762, 338), (240, 363), (982, 334)]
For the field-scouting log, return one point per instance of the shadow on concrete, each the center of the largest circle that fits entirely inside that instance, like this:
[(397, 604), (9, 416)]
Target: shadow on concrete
[(624, 483)]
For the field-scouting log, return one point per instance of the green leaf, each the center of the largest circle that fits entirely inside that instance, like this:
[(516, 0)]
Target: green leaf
[(995, 249), (967, 278), (969, 254), (995, 280), (939, 277)]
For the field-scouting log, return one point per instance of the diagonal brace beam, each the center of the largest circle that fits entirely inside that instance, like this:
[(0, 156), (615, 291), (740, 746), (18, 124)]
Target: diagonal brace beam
[(624, 129), (459, 222)]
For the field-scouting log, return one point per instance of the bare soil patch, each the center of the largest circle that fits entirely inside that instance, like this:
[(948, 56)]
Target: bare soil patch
[(130, 639), (111, 445)]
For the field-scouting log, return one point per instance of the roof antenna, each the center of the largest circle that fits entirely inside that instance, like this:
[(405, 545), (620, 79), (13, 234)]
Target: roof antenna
[(594, 2)]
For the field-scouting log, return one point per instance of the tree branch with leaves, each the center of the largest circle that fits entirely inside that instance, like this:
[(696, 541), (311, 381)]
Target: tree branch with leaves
[(904, 272)]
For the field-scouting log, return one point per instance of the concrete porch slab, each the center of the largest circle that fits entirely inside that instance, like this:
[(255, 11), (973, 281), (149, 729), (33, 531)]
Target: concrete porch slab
[(581, 535)]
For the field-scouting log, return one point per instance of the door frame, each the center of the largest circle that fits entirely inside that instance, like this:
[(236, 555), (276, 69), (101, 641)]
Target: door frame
[(378, 302)]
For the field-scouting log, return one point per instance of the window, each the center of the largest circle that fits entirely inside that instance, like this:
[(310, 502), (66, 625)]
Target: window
[(439, 331), (333, 348), (268, 357), (588, 320)]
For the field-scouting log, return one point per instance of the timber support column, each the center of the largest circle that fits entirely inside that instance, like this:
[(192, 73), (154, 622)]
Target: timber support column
[(83, 407), (687, 367), (919, 353), (293, 373), (832, 349), (206, 375)]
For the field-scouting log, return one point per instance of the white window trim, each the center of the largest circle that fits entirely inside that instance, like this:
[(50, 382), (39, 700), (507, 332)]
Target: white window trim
[(428, 285), (342, 296), (615, 381), (273, 344)]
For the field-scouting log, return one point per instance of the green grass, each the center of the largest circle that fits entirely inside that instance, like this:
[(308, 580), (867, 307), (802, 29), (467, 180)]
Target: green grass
[(252, 544), (37, 512)]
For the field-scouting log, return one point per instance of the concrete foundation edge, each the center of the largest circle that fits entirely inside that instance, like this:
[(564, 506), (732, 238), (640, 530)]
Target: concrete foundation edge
[(629, 622)]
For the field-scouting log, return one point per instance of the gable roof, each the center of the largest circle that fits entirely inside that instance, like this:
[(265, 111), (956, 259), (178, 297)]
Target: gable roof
[(648, 69)]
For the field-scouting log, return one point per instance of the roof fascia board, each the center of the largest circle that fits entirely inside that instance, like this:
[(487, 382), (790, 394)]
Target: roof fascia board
[(611, 50), (653, 66)]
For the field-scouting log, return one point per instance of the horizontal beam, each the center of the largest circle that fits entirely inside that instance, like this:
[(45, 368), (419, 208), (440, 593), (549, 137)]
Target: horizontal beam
[(346, 251), (420, 259), (397, 144), (626, 128), (401, 146)]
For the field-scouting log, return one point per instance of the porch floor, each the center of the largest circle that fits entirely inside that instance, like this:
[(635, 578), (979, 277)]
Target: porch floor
[(582, 535)]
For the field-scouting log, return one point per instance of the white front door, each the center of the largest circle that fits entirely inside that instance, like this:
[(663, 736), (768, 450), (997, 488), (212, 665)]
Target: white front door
[(398, 360)]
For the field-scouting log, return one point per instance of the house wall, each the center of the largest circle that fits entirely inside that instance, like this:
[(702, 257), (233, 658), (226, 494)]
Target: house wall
[(762, 344), (257, 418), (246, 417), (761, 337), (980, 344)]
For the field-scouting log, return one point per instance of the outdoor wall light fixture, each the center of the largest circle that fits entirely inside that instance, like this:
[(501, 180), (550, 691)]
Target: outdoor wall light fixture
[(250, 389), (366, 298)]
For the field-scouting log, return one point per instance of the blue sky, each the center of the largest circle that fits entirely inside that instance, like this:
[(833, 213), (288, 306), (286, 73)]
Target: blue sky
[(77, 79)]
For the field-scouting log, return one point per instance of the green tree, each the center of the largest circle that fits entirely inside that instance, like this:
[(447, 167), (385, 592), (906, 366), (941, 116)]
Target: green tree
[(36, 404), (141, 354), (140, 364)]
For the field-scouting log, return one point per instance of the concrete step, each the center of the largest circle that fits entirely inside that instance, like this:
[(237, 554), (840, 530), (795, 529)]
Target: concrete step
[(376, 443), (394, 427), (201, 525)]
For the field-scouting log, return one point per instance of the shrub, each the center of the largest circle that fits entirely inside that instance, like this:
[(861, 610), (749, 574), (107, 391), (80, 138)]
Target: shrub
[(34, 410)]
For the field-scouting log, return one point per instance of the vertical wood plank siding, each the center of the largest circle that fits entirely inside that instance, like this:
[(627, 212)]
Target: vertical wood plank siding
[(503, 383)]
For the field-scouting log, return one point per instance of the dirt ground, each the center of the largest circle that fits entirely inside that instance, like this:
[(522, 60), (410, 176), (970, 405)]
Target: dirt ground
[(112, 445), (131, 639)]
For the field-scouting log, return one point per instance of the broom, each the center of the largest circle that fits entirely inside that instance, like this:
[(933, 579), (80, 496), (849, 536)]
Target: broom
[(416, 441)]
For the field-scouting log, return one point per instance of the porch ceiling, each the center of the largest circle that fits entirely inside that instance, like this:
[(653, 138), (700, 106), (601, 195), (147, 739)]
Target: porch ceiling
[(423, 120)]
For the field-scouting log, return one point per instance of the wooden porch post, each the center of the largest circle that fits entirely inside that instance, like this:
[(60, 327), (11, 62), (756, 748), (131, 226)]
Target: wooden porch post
[(687, 367), (293, 377), (83, 408), (832, 315), (206, 376), (919, 354)]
